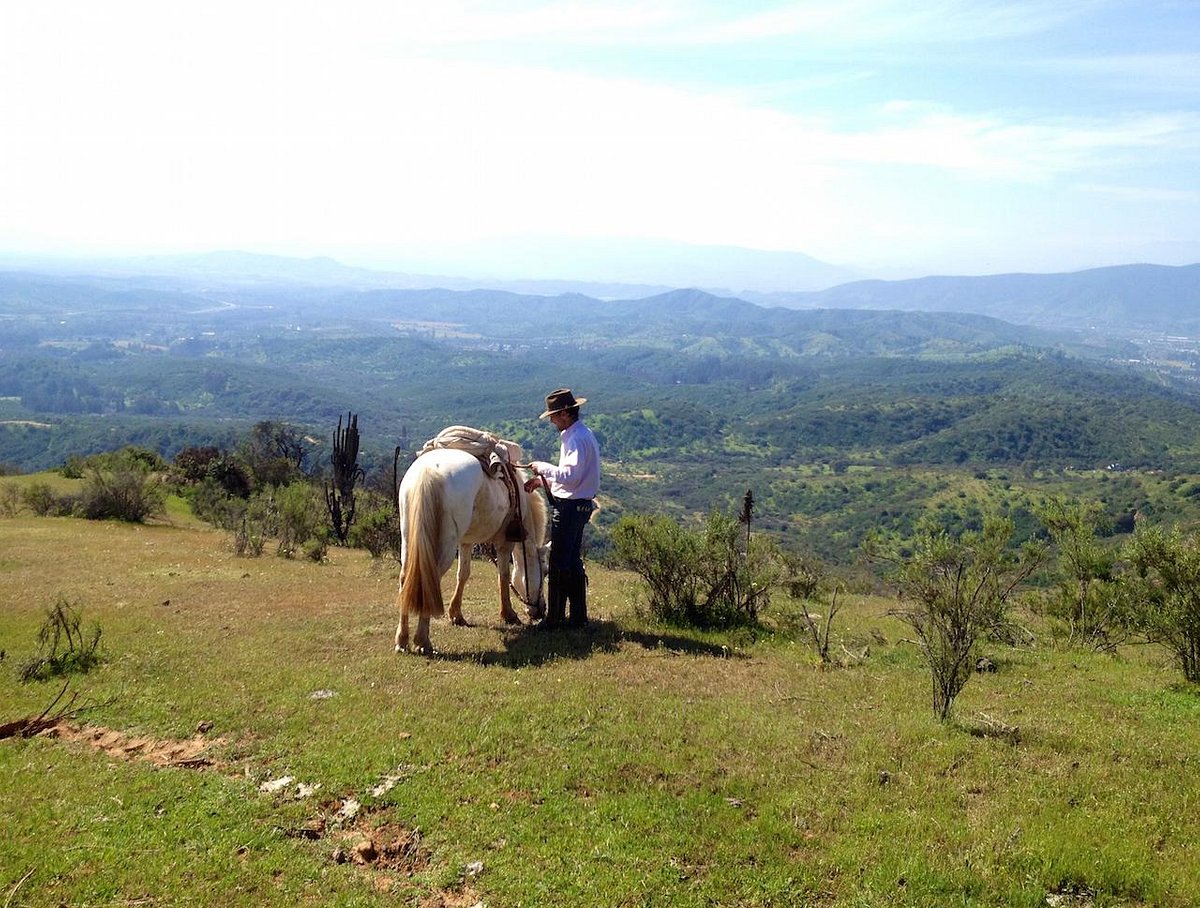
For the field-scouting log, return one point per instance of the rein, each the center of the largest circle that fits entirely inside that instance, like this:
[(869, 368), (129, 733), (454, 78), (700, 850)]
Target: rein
[(517, 487)]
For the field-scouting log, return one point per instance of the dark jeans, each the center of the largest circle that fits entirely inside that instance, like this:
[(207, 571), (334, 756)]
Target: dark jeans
[(569, 518)]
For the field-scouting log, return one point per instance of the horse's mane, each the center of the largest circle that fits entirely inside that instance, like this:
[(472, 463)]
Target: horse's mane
[(421, 581), (538, 513)]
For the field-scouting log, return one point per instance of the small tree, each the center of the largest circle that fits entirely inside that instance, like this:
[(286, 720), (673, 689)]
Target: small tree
[(1088, 597), (1167, 603), (957, 591), (274, 454)]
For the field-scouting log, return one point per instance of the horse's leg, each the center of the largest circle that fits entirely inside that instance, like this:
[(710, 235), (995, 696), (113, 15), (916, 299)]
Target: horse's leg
[(424, 644), (464, 572), (402, 631), (504, 568)]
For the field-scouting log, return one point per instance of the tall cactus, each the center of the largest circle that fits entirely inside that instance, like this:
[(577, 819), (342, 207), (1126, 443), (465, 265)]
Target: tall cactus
[(339, 491)]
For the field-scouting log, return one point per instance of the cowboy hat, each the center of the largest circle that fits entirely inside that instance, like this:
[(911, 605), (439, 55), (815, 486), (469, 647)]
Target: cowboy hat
[(562, 399)]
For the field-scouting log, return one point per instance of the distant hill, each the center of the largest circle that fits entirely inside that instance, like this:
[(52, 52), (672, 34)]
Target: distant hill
[(1155, 297)]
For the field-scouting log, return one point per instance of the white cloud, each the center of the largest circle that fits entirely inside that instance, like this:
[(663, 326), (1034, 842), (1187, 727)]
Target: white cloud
[(321, 124)]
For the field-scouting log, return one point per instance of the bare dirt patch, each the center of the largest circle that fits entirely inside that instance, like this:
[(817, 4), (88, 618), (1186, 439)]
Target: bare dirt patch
[(190, 754), (385, 846)]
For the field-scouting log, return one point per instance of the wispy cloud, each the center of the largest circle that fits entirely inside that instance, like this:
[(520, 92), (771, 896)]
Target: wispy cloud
[(872, 22), (992, 146)]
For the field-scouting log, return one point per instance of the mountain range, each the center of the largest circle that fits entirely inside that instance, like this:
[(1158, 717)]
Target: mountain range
[(1118, 299), (1126, 297)]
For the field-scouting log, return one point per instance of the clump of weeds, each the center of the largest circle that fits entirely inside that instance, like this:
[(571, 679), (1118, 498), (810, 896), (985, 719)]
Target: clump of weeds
[(64, 645)]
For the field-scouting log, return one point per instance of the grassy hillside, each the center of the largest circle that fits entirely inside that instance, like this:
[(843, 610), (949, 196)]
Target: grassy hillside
[(626, 765)]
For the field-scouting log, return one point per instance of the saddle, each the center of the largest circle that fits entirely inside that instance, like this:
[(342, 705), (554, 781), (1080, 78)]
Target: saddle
[(498, 458)]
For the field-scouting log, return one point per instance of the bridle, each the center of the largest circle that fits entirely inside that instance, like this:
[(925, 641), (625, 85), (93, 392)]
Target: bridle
[(518, 488)]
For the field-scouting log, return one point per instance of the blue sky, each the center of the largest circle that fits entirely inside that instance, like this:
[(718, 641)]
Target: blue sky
[(947, 136)]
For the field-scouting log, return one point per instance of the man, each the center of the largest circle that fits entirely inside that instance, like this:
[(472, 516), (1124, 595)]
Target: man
[(573, 484)]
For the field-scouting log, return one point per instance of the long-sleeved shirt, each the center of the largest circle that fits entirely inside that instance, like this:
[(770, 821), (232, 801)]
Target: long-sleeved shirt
[(578, 472)]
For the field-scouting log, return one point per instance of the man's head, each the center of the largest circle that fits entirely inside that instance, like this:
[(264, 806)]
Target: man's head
[(562, 408)]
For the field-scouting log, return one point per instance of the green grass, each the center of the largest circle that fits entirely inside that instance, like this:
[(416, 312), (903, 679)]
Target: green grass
[(630, 765)]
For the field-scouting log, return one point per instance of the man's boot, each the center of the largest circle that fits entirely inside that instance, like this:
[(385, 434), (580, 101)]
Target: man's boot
[(556, 601), (577, 597)]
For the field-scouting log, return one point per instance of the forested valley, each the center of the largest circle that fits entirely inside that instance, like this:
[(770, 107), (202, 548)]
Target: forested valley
[(840, 421)]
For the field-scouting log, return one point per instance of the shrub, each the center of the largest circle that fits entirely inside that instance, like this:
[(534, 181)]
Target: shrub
[(126, 493), (10, 500), (737, 580), (212, 503), (701, 579), (40, 498), (63, 645), (301, 516), (74, 467), (316, 547), (259, 521), (806, 581), (957, 591), (1089, 598), (666, 557), (1167, 601), (378, 531), (191, 465)]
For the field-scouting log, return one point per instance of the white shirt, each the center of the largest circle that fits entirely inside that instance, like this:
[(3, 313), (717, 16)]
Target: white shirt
[(578, 472)]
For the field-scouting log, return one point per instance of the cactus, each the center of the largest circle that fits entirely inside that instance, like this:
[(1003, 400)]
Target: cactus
[(339, 491)]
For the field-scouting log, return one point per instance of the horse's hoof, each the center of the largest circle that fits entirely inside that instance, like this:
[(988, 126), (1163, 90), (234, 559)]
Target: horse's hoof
[(511, 619), (460, 621)]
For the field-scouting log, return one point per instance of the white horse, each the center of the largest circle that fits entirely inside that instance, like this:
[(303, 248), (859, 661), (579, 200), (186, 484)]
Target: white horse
[(448, 503)]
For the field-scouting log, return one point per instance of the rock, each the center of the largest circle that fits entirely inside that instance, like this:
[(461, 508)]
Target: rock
[(365, 852)]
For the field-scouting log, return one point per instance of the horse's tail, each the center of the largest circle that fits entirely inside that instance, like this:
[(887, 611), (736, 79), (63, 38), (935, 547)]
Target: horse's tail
[(421, 580)]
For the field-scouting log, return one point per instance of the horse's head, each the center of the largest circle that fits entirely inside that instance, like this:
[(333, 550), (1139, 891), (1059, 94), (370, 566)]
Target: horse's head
[(530, 568)]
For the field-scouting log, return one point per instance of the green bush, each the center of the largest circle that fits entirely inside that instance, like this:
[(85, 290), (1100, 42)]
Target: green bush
[(10, 500), (1167, 601), (1089, 599), (258, 522), (127, 493), (378, 531), (43, 502), (212, 503), (708, 578), (955, 591), (301, 516), (667, 558)]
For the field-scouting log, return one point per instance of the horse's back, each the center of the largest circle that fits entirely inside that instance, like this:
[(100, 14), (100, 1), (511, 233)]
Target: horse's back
[(452, 476)]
